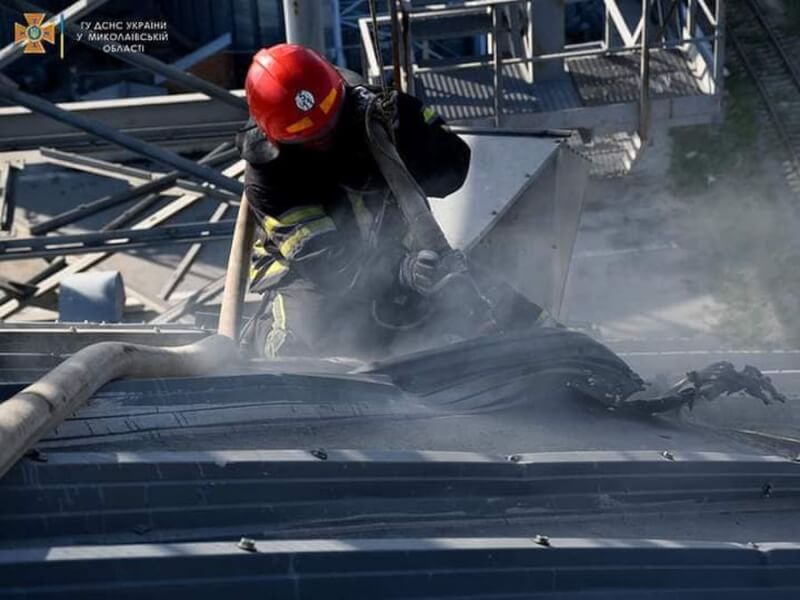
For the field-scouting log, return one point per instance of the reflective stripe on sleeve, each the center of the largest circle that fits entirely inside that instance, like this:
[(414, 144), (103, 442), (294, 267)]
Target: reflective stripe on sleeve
[(293, 217), (270, 275), (279, 312), (295, 242), (429, 114)]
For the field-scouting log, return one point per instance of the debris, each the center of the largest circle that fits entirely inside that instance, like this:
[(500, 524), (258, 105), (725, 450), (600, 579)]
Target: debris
[(717, 379)]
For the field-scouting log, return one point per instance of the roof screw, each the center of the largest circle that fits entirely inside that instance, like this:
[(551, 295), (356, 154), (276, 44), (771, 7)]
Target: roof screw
[(668, 455), (320, 454), (542, 540), (247, 544), (766, 490), (515, 458)]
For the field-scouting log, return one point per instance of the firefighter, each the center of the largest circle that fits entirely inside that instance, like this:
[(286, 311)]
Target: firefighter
[(331, 244), (334, 257)]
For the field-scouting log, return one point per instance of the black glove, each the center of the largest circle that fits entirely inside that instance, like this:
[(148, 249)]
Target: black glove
[(419, 271), (387, 108)]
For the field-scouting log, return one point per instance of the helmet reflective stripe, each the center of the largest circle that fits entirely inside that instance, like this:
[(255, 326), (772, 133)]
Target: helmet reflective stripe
[(327, 103), (298, 126)]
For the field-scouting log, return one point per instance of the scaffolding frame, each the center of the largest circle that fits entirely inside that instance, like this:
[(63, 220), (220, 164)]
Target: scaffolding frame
[(698, 30)]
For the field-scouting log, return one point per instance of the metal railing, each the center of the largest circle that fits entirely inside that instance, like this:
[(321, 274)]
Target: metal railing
[(694, 26)]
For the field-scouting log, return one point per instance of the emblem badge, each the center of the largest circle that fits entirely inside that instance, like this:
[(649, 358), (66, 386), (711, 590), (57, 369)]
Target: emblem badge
[(304, 100)]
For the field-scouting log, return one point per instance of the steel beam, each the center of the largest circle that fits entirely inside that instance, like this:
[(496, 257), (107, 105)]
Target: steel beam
[(110, 134), (198, 298), (7, 205), (51, 282), (188, 259), (147, 62), (95, 166), (52, 268), (16, 289), (75, 11), (130, 214), (112, 241), (153, 186)]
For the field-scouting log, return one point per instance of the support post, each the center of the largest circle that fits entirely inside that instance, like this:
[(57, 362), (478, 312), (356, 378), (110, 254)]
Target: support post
[(644, 87), (304, 23), (719, 47), (407, 45), (396, 55), (497, 71), (547, 35), (336, 28)]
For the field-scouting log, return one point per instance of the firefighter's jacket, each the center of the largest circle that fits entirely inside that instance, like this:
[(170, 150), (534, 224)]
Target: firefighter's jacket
[(327, 216)]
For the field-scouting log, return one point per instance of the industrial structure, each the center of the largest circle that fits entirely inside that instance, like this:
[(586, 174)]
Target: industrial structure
[(140, 453)]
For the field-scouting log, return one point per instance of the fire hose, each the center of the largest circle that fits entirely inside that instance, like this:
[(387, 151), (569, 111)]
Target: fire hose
[(42, 406), (412, 202), (32, 413)]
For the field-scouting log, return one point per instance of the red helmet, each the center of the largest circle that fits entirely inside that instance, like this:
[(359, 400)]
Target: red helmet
[(293, 93)]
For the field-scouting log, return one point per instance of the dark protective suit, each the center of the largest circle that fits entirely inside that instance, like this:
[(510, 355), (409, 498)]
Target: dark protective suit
[(331, 239)]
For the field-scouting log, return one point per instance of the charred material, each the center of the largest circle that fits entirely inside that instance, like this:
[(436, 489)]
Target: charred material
[(499, 368)]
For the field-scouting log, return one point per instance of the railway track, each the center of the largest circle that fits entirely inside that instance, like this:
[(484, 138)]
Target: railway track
[(767, 55)]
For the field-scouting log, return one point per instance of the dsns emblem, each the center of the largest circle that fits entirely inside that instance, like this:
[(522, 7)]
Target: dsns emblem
[(304, 100)]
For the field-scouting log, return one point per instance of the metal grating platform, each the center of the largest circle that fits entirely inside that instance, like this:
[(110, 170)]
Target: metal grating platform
[(611, 79), (462, 94), (467, 93)]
